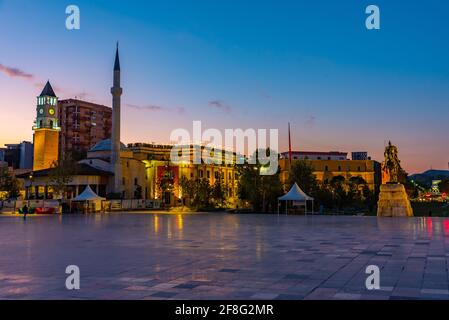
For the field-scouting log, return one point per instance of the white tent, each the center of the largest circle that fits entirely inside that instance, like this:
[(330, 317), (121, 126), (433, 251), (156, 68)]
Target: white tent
[(91, 201), (88, 195), (297, 195)]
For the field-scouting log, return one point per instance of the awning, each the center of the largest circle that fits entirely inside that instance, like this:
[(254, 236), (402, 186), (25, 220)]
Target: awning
[(88, 195), (295, 194)]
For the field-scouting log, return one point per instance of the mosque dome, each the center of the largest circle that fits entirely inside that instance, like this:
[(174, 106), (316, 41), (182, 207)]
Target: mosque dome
[(105, 145)]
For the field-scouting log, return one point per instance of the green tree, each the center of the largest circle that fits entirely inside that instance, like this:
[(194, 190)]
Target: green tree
[(61, 174), (198, 192), (218, 193), (9, 183), (301, 173), (260, 190)]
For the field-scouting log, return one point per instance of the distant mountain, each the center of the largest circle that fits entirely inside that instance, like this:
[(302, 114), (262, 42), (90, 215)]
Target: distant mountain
[(428, 176)]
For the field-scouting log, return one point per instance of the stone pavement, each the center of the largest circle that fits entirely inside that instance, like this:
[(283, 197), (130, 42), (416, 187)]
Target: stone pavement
[(223, 256)]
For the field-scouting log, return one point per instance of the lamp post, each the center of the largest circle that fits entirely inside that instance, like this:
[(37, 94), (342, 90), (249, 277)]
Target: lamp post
[(31, 185)]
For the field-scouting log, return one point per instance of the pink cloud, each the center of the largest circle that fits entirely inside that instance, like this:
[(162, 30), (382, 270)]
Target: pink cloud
[(220, 105), (15, 72)]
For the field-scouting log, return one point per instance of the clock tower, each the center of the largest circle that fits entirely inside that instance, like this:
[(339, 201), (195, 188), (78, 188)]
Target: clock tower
[(46, 129)]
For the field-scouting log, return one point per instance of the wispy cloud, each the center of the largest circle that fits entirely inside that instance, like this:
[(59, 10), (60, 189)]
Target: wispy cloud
[(15, 72), (310, 121), (266, 96), (155, 108), (220, 105)]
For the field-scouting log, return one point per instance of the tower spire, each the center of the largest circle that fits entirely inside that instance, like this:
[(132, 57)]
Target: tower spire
[(117, 60), (116, 92)]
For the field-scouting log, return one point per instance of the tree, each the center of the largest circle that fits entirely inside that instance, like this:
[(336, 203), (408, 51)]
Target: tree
[(219, 193), (358, 181), (9, 183), (198, 192), (262, 191), (301, 173), (444, 186), (338, 181), (61, 174)]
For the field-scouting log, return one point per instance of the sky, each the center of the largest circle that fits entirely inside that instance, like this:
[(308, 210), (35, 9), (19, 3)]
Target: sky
[(241, 64)]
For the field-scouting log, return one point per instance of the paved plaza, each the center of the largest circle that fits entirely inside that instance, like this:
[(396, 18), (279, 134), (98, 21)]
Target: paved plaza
[(223, 256)]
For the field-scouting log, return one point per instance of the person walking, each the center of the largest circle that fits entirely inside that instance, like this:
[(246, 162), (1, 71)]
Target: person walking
[(25, 212)]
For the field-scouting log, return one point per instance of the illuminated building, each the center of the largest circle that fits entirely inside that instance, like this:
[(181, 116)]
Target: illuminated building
[(158, 167), (83, 124), (325, 169), (314, 155), (46, 129)]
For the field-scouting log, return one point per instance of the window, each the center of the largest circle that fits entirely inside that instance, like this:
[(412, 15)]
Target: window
[(217, 175), (208, 174), (339, 168), (123, 181), (326, 168), (135, 182)]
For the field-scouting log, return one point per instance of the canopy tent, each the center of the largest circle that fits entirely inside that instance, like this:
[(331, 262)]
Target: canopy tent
[(297, 195), (91, 202), (88, 195)]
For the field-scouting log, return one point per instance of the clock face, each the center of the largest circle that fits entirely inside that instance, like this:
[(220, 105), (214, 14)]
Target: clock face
[(51, 111), (41, 111)]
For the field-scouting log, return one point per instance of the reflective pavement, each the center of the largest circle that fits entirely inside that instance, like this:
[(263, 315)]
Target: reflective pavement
[(223, 256)]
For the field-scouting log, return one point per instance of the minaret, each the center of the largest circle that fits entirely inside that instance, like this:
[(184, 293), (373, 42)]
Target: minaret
[(116, 92)]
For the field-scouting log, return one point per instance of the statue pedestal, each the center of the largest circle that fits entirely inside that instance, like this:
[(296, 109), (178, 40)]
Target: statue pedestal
[(393, 201)]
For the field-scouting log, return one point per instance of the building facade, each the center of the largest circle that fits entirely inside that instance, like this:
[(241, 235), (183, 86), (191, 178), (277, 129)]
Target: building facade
[(18, 155), (315, 155), (83, 125), (325, 170), (160, 171)]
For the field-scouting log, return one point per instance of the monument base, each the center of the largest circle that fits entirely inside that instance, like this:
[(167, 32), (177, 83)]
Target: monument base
[(393, 201)]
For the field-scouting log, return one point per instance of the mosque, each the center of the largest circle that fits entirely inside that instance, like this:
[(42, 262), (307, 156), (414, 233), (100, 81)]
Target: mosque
[(111, 169)]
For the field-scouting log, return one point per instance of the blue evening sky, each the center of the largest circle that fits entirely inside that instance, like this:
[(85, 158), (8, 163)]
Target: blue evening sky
[(248, 64)]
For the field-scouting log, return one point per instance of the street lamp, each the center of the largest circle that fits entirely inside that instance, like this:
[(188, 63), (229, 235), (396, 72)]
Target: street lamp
[(31, 185)]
